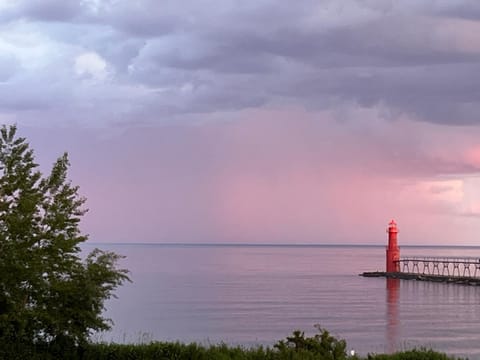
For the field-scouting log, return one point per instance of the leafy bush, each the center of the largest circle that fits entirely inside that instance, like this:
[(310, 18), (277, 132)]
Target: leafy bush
[(322, 345), (415, 354)]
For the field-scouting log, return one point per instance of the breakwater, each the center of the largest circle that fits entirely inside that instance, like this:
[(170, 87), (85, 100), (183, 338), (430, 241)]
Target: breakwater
[(462, 280)]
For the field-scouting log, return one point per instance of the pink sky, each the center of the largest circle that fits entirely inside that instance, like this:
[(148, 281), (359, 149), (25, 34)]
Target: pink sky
[(275, 176)]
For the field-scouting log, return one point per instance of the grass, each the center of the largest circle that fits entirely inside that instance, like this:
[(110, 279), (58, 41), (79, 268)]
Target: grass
[(321, 346)]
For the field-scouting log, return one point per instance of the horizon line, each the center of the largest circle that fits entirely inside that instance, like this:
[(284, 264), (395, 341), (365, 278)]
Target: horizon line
[(234, 244)]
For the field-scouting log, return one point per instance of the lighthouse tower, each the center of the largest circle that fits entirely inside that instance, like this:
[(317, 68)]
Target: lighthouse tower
[(393, 251)]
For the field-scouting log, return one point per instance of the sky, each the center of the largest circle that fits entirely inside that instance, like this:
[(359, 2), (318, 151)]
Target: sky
[(220, 121)]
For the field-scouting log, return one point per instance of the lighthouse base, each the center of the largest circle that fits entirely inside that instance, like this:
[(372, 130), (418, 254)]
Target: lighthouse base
[(393, 257)]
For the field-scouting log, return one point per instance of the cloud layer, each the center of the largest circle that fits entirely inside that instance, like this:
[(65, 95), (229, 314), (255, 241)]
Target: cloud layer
[(156, 61)]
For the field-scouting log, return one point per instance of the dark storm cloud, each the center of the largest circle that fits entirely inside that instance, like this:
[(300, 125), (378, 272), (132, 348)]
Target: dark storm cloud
[(413, 58), (141, 23), (442, 93), (466, 9), (391, 60), (49, 10)]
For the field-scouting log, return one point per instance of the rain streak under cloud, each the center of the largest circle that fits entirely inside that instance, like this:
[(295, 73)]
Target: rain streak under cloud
[(229, 121)]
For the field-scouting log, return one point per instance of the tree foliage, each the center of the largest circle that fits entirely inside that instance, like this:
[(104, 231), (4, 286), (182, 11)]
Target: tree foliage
[(322, 345), (48, 293)]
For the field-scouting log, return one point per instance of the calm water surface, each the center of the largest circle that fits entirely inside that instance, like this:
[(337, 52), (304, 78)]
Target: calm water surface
[(259, 294)]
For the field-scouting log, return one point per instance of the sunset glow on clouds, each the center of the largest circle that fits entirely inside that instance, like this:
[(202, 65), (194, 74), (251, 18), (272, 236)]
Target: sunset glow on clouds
[(220, 121)]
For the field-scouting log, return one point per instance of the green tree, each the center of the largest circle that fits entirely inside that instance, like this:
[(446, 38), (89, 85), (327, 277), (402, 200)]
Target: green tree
[(48, 293), (322, 345)]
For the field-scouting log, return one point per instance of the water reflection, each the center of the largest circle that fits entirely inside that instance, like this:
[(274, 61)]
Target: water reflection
[(393, 286)]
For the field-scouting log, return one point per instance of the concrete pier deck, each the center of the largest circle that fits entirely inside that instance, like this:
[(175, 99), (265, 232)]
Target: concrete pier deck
[(461, 280)]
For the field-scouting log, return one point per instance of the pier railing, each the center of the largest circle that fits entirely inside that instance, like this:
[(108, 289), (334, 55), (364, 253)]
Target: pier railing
[(446, 266)]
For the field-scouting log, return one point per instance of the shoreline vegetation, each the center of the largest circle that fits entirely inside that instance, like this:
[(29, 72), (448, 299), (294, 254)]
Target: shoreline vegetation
[(321, 346)]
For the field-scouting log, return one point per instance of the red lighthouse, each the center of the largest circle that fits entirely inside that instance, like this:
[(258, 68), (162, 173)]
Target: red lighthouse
[(393, 251)]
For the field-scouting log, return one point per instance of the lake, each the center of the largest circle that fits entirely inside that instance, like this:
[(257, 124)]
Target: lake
[(259, 294)]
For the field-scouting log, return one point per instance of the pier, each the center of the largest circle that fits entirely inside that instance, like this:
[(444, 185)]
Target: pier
[(458, 270), (445, 266)]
